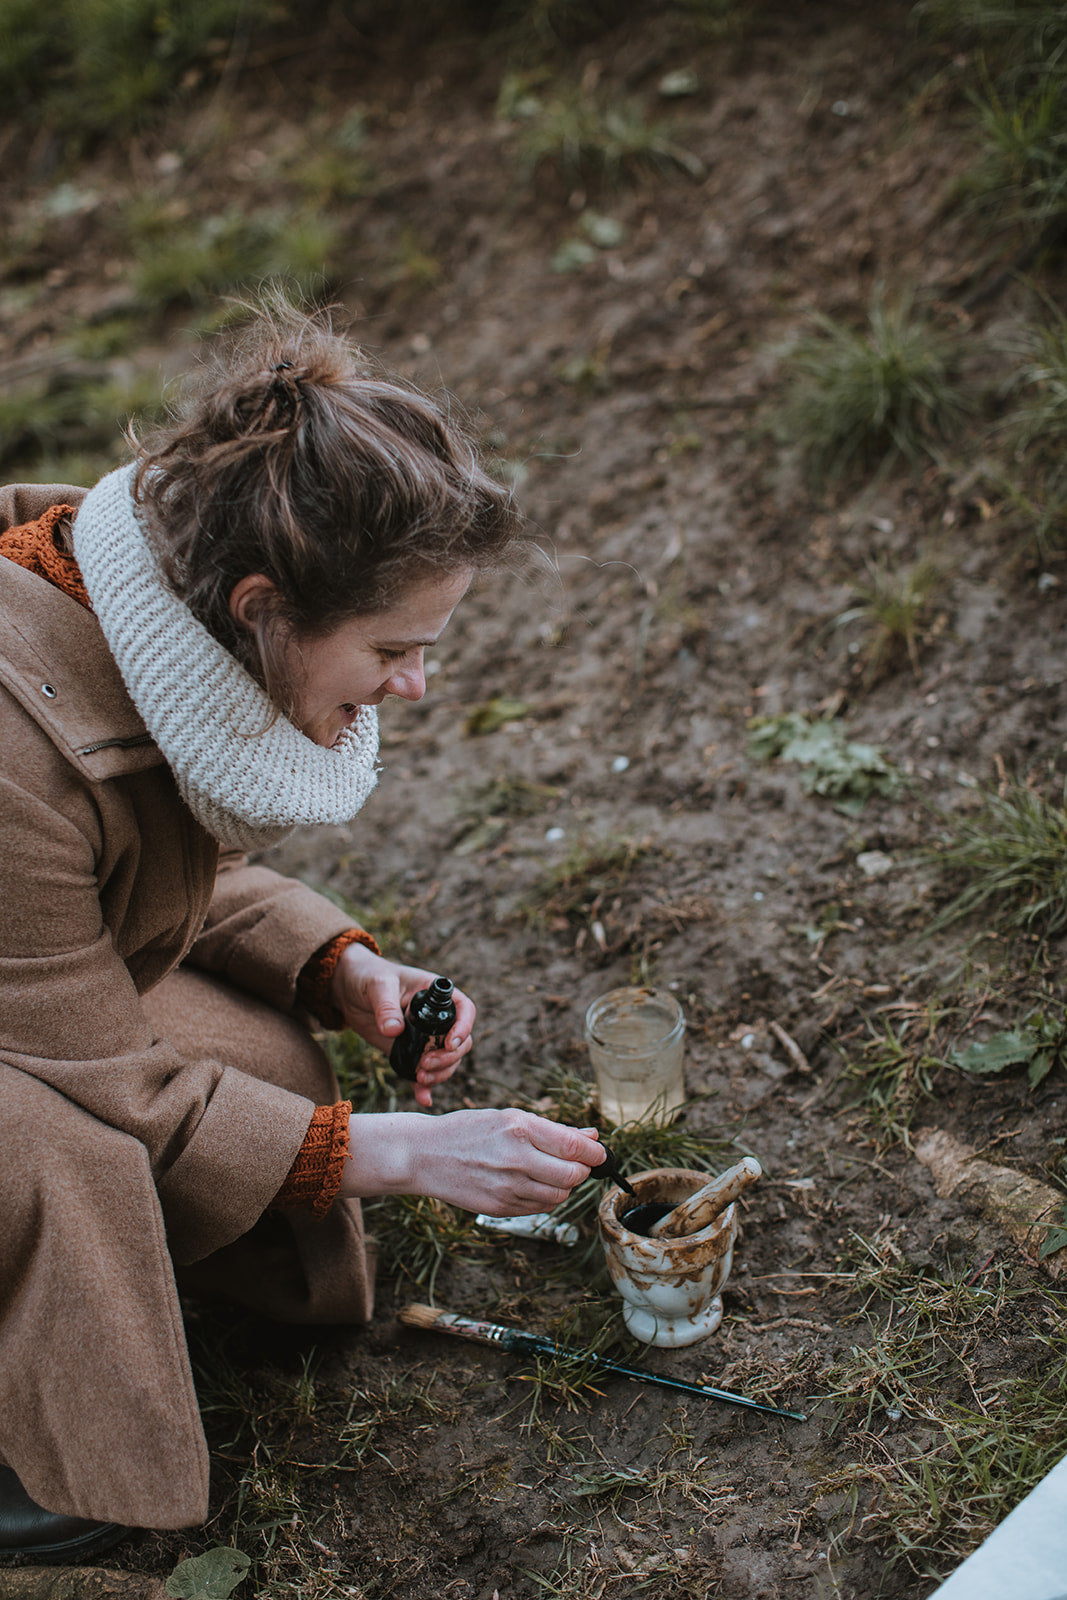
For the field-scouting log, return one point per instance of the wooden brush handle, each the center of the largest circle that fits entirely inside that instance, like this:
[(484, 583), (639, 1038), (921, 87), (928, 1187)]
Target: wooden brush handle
[(703, 1207)]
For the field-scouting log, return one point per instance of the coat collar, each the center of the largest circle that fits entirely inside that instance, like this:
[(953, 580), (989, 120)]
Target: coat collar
[(55, 661)]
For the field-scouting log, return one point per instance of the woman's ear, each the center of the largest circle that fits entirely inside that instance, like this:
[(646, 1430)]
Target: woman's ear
[(249, 597)]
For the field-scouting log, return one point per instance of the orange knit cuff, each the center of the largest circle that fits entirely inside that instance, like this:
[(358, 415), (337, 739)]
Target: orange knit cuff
[(316, 979), (315, 1176)]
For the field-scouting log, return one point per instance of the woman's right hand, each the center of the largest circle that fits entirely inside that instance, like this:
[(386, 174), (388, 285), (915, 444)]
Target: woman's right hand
[(503, 1163)]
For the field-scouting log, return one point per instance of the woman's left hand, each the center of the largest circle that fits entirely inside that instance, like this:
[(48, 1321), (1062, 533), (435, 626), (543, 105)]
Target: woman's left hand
[(373, 994)]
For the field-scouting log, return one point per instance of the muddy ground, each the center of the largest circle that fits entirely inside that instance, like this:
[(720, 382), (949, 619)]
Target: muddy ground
[(695, 581)]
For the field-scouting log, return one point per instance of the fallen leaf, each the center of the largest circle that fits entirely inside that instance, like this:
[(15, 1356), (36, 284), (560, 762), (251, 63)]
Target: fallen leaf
[(212, 1576), (493, 714)]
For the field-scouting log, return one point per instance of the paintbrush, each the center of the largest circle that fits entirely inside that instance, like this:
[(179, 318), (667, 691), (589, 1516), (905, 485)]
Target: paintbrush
[(515, 1339)]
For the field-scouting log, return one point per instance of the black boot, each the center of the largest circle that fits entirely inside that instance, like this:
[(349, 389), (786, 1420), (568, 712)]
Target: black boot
[(26, 1529)]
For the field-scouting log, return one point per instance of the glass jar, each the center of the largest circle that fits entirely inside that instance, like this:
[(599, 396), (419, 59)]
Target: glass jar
[(636, 1040)]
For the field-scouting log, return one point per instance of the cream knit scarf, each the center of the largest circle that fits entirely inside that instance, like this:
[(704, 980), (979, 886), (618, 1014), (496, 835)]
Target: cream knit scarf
[(248, 783)]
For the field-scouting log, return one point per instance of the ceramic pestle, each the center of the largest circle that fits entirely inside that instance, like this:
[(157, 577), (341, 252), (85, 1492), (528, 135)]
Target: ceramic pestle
[(704, 1206)]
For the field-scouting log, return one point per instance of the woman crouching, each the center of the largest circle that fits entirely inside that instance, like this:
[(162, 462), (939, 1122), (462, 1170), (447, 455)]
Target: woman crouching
[(190, 658)]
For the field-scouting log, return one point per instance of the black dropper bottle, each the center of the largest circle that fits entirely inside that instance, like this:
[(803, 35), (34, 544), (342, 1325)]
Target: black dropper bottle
[(430, 1015)]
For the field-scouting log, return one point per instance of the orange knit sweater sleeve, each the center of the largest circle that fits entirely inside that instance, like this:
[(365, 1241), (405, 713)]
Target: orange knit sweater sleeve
[(316, 979), (315, 1176)]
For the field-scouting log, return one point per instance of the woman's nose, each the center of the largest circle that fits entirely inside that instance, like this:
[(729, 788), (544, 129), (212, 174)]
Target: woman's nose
[(410, 682)]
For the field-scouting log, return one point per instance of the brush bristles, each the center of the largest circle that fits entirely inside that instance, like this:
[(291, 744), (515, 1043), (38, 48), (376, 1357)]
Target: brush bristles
[(419, 1316)]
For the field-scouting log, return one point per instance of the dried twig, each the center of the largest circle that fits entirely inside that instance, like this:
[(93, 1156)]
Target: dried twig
[(791, 1048)]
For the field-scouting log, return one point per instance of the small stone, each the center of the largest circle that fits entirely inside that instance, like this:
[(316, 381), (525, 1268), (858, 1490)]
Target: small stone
[(620, 764), (572, 255), (607, 233), (554, 835), (675, 85), (874, 863)]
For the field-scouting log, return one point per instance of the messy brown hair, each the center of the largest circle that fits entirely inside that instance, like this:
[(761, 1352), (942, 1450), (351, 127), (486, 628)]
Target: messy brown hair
[(295, 458)]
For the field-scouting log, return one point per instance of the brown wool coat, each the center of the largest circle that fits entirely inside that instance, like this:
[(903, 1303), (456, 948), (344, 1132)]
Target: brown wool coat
[(150, 1112)]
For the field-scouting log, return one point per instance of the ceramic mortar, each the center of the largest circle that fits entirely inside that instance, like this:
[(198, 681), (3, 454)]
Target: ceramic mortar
[(670, 1286)]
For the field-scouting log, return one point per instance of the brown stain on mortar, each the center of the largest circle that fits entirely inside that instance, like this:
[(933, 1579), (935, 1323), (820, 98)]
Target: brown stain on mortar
[(682, 1264)]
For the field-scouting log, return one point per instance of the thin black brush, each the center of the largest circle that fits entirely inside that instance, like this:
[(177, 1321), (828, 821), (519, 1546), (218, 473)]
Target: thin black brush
[(515, 1339)]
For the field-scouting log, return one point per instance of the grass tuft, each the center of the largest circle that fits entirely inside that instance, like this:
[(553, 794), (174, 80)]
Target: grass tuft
[(1019, 51), (894, 606), (859, 397), (363, 1072), (70, 419), (96, 66), (417, 1235), (894, 1076), (593, 138), (1023, 168), (1012, 858), (194, 260), (1036, 427)]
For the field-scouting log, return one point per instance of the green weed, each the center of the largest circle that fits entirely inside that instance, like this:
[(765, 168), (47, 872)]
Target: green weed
[(73, 412), (508, 796), (587, 372), (491, 715), (390, 919), (859, 397), (417, 1235), (1020, 97), (484, 816), (594, 139), (370, 1410), (895, 1074), (543, 25), (362, 1072), (112, 336), (257, 1419), (845, 771), (894, 606), (1012, 859), (1023, 167), (216, 1573), (1036, 426), (90, 66), (1039, 1043), (332, 167), (194, 260), (1017, 30), (638, 1147), (570, 1383), (413, 267)]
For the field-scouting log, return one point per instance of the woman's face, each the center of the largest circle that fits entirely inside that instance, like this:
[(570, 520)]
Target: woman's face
[(366, 658)]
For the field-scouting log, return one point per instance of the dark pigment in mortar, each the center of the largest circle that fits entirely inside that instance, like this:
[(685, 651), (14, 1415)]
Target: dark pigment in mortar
[(640, 1219)]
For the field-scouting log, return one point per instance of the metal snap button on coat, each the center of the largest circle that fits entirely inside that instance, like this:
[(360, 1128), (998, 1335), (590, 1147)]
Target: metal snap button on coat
[(48, 691)]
